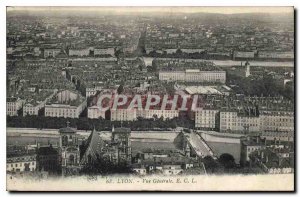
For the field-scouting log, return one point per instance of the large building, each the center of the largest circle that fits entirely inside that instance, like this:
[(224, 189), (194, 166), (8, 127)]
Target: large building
[(104, 51), (79, 52), (234, 121), (92, 91), (277, 121), (24, 163), (276, 55), (13, 105), (271, 124), (94, 112), (91, 51), (69, 151), (158, 113), (66, 104), (123, 114), (243, 54), (277, 125), (274, 160), (51, 52), (122, 136), (206, 119), (172, 75), (48, 159), (34, 105), (133, 114), (193, 75), (249, 146)]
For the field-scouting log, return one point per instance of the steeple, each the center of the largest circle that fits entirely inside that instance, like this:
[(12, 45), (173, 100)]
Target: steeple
[(92, 147)]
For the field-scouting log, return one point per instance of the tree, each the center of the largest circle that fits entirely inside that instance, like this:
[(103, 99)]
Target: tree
[(212, 165), (120, 89), (227, 160)]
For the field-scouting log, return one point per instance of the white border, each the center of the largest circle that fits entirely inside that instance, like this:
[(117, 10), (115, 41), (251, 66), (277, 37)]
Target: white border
[(4, 3)]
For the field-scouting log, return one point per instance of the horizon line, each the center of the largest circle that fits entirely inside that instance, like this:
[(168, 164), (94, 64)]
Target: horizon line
[(229, 10)]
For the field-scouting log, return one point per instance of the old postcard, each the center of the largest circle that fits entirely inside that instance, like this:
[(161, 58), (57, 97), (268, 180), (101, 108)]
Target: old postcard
[(150, 99)]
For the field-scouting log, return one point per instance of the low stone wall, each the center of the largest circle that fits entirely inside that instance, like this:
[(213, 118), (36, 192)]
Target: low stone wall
[(215, 138)]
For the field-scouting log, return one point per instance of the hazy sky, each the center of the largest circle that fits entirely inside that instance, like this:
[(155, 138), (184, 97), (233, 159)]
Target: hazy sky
[(223, 10)]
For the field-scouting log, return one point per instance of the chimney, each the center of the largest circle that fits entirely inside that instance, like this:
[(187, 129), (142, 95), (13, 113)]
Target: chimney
[(267, 159), (257, 139), (262, 154)]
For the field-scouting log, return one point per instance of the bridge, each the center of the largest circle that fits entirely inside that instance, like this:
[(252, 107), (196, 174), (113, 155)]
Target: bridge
[(198, 145)]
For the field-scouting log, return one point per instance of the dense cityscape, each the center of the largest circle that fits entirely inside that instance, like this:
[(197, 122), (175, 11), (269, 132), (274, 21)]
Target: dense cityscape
[(223, 84)]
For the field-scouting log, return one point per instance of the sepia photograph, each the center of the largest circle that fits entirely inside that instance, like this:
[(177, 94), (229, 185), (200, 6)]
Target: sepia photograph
[(150, 98)]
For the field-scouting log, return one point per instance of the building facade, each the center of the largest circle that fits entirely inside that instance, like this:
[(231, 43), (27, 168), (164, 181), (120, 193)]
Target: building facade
[(243, 54), (92, 91), (13, 105), (277, 121), (232, 121), (104, 51), (158, 113), (66, 111), (206, 118), (79, 52), (94, 112), (26, 163), (66, 104), (248, 147), (123, 114), (276, 55), (270, 123), (122, 136), (48, 160), (51, 52), (193, 75), (33, 108), (69, 151)]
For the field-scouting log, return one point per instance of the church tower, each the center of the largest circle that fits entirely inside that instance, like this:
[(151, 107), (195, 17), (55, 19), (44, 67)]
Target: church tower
[(122, 136), (69, 151)]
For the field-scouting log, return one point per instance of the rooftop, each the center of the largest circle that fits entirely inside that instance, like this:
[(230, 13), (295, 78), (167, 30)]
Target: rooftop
[(66, 130)]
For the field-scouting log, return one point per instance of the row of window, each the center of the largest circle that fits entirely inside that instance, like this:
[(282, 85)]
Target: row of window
[(11, 109), (240, 124), (252, 149), (60, 114), (280, 120), (29, 112), (18, 170), (206, 112), (278, 124), (18, 165)]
